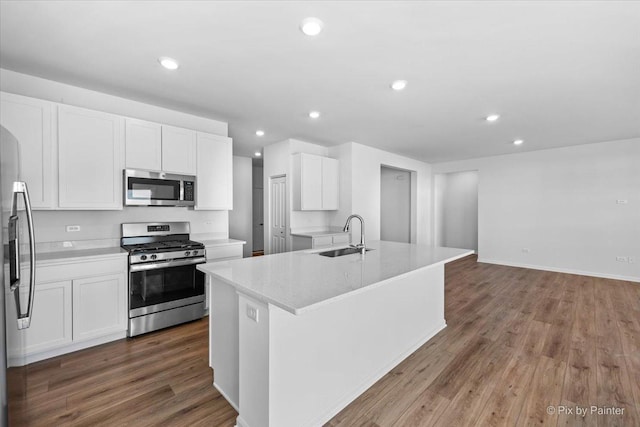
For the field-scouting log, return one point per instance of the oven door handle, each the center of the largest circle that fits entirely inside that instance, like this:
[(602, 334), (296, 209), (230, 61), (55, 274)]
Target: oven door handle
[(165, 264)]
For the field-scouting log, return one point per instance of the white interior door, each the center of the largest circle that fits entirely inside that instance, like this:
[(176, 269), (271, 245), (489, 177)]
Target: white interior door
[(278, 214)]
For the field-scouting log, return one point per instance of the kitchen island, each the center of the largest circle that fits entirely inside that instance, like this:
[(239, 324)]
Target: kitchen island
[(295, 337)]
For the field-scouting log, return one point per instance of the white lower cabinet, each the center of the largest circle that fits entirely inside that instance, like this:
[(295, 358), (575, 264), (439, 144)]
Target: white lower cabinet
[(315, 242), (76, 305), (50, 324), (219, 253), (99, 306)]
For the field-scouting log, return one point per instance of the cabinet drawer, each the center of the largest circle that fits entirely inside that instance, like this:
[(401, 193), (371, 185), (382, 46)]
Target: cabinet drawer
[(341, 238), (219, 252), (76, 270), (322, 241)]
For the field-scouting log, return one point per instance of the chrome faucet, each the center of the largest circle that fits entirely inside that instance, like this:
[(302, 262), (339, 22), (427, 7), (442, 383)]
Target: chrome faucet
[(360, 245)]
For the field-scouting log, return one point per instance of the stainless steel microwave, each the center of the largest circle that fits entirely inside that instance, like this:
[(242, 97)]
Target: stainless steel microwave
[(151, 188)]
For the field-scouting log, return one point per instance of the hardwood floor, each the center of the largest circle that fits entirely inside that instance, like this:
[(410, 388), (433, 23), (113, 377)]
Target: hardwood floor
[(517, 342)]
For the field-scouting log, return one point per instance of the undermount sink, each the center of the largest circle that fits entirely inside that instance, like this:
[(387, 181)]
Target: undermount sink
[(340, 252)]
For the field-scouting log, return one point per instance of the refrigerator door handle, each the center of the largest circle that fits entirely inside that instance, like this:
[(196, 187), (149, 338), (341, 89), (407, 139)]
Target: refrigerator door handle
[(24, 320), (14, 253)]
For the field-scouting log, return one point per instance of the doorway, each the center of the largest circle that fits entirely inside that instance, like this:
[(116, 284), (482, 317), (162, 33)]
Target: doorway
[(278, 214), (395, 204), (456, 210), (258, 210)]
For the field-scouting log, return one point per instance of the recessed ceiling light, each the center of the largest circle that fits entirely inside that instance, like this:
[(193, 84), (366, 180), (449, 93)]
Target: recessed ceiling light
[(168, 63), (492, 117), (399, 85), (260, 132), (314, 114), (258, 154), (518, 142), (311, 26)]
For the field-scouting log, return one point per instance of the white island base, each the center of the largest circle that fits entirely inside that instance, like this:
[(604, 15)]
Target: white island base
[(291, 367)]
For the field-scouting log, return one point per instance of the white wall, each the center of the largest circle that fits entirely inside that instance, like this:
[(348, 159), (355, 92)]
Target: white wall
[(277, 161), (240, 218), (561, 206), (395, 206), (456, 210), (50, 225), (362, 187)]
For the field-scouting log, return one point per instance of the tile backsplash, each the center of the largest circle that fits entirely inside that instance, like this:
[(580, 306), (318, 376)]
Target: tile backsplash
[(51, 226)]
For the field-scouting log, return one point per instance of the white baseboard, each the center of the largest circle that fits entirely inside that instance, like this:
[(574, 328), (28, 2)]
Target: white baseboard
[(240, 422), (47, 354), (355, 393), (226, 397), (561, 270)]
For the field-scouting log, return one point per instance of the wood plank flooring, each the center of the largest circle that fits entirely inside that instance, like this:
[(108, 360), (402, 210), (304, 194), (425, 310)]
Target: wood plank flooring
[(517, 342)]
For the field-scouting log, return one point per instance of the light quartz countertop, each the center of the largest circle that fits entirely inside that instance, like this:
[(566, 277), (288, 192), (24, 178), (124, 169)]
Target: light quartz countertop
[(302, 280), (319, 233), (55, 252), (77, 255), (221, 242)]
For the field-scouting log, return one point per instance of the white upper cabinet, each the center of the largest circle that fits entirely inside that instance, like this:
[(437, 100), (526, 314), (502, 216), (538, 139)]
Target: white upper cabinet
[(330, 186), (314, 183), (30, 121), (214, 185), (90, 159), (72, 158), (143, 145), (178, 150)]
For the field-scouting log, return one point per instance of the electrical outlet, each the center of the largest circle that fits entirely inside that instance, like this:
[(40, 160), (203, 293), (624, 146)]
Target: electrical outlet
[(622, 201), (526, 250), (622, 259), (632, 260), (252, 313), (72, 228)]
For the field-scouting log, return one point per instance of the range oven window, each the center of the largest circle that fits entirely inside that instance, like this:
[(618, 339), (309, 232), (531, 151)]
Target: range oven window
[(153, 189), (150, 287)]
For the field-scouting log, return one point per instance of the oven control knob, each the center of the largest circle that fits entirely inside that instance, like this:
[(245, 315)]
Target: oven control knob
[(143, 257), (154, 256), (195, 253), (187, 253)]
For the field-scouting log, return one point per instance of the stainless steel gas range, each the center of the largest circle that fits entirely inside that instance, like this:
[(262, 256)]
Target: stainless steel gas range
[(165, 288)]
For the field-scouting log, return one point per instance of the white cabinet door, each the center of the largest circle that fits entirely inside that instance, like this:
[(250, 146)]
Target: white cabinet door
[(214, 185), (51, 322), (315, 183), (143, 145), (330, 190), (178, 150), (30, 121), (310, 182), (90, 159), (99, 305)]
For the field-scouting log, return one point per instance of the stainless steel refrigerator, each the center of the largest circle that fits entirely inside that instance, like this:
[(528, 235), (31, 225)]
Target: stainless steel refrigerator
[(18, 275)]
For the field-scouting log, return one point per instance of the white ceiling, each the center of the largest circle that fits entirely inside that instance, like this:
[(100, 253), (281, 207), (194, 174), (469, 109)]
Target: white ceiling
[(559, 73)]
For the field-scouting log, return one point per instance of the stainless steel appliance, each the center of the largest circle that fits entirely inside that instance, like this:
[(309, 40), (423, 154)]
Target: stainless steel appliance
[(165, 288), (15, 217), (149, 188)]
